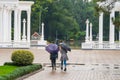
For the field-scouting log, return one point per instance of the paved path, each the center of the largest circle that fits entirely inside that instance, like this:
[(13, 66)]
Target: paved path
[(83, 65)]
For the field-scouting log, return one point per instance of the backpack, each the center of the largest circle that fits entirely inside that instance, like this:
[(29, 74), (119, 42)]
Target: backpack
[(53, 55)]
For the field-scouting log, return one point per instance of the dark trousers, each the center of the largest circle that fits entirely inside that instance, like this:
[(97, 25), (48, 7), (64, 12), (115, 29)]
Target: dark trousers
[(53, 63)]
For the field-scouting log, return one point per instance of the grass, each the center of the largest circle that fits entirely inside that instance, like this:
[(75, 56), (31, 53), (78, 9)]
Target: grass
[(6, 69), (11, 71)]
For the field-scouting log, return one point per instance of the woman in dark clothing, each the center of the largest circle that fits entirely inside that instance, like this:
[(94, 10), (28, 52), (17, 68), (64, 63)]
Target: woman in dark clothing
[(53, 57)]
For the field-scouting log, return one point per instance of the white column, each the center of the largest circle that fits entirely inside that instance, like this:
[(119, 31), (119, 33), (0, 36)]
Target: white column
[(119, 36), (90, 32), (24, 30), (1, 19), (42, 35), (9, 25), (5, 22), (101, 27), (2, 35), (28, 25), (19, 26), (15, 25), (87, 31), (112, 28)]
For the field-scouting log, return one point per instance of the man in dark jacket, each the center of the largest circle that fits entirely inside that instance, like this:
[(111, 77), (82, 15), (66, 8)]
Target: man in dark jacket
[(53, 57)]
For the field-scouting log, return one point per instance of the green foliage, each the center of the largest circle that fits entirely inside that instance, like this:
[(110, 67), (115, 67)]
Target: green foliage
[(116, 21), (66, 17), (22, 57), (83, 11), (10, 63), (19, 71), (98, 0), (6, 69)]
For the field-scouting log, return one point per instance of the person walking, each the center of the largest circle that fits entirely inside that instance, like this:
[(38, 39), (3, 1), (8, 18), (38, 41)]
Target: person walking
[(53, 50), (64, 57), (53, 57)]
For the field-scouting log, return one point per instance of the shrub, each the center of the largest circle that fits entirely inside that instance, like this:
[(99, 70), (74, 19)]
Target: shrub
[(22, 57), (10, 63)]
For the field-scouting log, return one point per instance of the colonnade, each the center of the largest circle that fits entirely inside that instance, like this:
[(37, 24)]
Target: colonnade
[(6, 20), (5, 24), (111, 29), (101, 44)]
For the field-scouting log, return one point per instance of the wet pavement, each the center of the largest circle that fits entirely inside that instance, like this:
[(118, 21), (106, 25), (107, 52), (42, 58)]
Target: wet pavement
[(82, 65), (80, 72)]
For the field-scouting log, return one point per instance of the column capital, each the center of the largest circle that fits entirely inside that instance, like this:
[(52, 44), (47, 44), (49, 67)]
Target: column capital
[(29, 11), (87, 21), (90, 24), (10, 10), (19, 10), (15, 7), (24, 21), (112, 10), (4, 6), (101, 13), (43, 24)]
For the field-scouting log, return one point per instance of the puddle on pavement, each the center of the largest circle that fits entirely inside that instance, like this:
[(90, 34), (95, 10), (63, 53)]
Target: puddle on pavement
[(89, 66), (109, 70)]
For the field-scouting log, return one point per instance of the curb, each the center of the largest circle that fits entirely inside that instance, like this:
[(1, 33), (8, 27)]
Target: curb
[(30, 74)]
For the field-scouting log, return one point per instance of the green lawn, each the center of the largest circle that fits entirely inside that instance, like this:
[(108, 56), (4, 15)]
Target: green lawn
[(11, 72), (6, 69)]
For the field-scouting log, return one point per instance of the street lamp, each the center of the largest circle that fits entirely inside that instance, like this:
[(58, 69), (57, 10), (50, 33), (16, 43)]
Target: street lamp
[(56, 34), (40, 21), (40, 17)]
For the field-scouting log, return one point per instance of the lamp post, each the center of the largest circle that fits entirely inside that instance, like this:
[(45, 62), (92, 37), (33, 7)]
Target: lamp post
[(40, 21), (56, 35), (40, 17)]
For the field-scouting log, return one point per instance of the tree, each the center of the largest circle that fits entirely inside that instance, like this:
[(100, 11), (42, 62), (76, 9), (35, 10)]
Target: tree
[(85, 10), (60, 19), (39, 8), (64, 19)]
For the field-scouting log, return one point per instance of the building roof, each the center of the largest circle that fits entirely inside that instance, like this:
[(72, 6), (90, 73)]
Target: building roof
[(35, 34)]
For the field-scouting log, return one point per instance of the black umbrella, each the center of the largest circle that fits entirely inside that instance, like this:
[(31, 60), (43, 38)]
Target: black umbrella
[(66, 47)]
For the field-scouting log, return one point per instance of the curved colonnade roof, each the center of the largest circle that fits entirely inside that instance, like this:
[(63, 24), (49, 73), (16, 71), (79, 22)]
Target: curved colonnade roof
[(114, 4), (12, 4)]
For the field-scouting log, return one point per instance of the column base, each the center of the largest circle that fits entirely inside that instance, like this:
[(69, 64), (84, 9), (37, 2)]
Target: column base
[(24, 40), (42, 42)]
